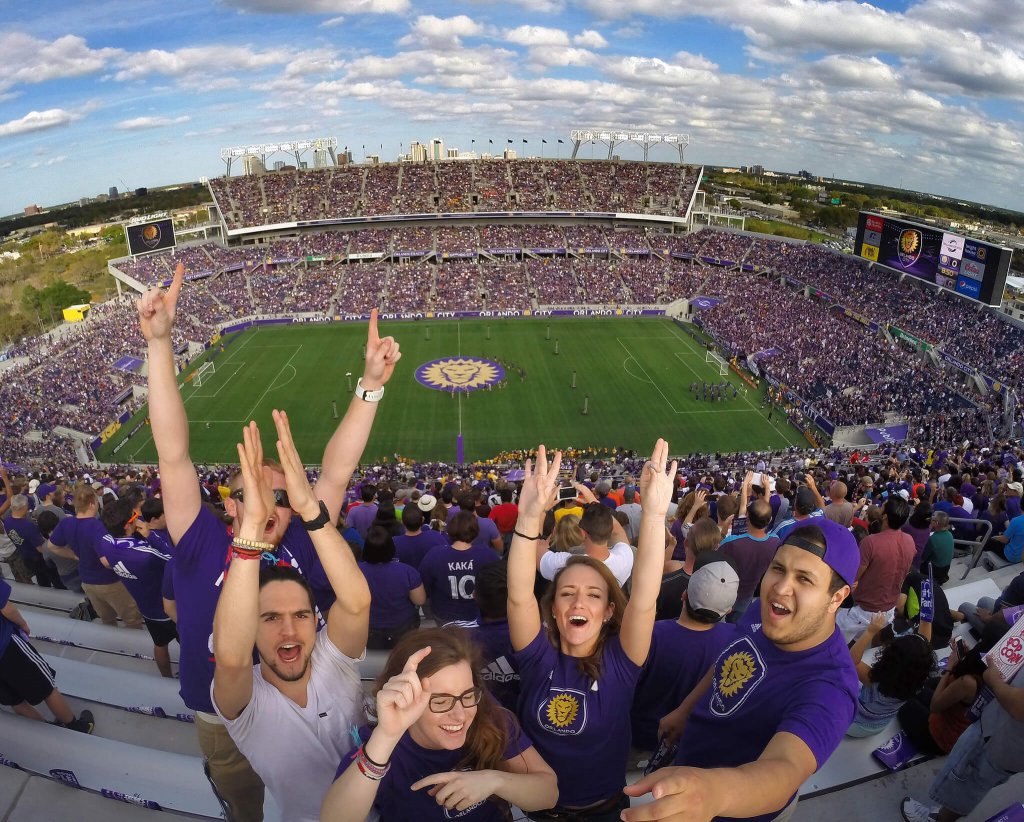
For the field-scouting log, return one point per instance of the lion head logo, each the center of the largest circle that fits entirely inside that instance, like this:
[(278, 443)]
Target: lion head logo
[(459, 374)]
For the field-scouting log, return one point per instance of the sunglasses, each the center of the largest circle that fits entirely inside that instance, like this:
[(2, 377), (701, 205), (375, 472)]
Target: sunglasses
[(280, 497), (442, 703)]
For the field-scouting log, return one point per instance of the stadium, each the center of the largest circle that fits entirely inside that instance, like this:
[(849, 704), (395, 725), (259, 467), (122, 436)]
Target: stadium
[(579, 303)]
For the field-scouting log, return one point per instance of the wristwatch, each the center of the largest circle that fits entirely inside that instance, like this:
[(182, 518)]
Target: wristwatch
[(368, 395), (320, 521)]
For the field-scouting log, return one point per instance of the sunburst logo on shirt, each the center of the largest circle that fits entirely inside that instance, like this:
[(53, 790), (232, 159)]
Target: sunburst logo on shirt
[(459, 374), (737, 670), (562, 710)]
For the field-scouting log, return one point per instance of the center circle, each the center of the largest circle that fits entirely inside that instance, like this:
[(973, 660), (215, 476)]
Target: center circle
[(459, 374)]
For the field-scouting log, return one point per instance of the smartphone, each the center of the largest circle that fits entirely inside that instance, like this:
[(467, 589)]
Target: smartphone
[(566, 494), (961, 649)]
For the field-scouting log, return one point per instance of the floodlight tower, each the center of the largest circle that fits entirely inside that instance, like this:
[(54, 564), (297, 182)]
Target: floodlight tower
[(644, 139)]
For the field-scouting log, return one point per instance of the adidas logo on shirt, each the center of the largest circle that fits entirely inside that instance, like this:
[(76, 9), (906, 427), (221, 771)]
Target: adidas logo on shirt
[(499, 671), (123, 572)]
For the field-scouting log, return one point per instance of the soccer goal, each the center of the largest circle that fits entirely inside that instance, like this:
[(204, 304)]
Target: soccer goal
[(713, 359), (206, 370)]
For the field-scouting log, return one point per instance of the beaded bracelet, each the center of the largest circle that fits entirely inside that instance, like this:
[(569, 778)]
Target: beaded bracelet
[(252, 544), (370, 769)]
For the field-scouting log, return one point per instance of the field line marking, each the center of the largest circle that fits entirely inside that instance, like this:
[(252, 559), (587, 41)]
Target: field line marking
[(634, 376), (185, 400), (746, 399), (259, 399), (656, 386), (238, 367)]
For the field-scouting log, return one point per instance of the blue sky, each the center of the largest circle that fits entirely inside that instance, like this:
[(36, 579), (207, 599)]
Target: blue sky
[(145, 93)]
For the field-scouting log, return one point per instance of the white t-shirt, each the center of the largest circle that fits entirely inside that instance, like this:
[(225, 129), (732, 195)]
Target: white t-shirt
[(619, 562), (296, 750)]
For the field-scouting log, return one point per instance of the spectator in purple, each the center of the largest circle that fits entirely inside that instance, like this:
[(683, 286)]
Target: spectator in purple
[(141, 566), (487, 531), (25, 535), (78, 537), (361, 516), (491, 634), (417, 541), (683, 650), (449, 573), (396, 590)]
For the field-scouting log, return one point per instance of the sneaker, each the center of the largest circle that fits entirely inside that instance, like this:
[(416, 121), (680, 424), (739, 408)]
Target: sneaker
[(914, 811), (84, 724)]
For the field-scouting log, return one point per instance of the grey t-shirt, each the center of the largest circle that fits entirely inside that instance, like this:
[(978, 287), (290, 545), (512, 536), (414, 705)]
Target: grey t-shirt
[(1004, 733)]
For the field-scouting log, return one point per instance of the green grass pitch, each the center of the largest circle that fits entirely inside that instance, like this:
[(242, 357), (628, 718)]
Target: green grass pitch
[(636, 373)]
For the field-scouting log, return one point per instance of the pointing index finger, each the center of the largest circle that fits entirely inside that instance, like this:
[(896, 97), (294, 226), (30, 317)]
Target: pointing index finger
[(176, 283), (374, 334), (412, 663)]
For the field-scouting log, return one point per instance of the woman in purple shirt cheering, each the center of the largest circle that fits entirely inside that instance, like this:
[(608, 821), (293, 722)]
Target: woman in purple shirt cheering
[(578, 676), (442, 748)]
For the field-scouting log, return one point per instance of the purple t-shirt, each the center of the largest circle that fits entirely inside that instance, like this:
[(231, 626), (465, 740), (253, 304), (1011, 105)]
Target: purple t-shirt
[(395, 802), (500, 671), (167, 588), (752, 556), (7, 628), (580, 727), (759, 690), (361, 517), (141, 568), (199, 560), (488, 530), (678, 660), (26, 538), (450, 578), (82, 536), (390, 584), (411, 550)]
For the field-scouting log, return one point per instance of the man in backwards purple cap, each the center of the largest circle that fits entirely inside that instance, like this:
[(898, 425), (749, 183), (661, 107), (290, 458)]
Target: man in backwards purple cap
[(778, 699)]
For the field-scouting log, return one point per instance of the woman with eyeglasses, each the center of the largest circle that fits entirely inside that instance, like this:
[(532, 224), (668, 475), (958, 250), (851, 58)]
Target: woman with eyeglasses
[(442, 747)]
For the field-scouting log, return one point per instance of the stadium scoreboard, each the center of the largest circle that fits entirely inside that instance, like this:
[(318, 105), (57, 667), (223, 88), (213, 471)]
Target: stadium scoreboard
[(969, 267), (150, 236)]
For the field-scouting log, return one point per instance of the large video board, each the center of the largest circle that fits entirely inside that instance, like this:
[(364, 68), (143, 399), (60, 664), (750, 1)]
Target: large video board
[(145, 238), (967, 266)]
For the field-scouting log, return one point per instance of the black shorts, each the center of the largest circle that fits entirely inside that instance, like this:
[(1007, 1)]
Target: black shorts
[(24, 674), (163, 631)]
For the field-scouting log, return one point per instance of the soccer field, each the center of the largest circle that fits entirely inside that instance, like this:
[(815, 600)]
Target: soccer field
[(633, 374)]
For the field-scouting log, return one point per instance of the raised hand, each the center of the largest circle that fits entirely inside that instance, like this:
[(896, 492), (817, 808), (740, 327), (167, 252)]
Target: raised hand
[(586, 496), (403, 699), (300, 495), (540, 482), (257, 496), (381, 356), (158, 307), (458, 790), (656, 482)]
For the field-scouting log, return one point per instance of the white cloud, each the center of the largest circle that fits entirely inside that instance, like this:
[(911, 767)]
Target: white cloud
[(141, 123), (588, 38), (30, 60), (199, 60), (332, 22), (50, 161), (853, 72), (647, 71), (537, 36), (322, 6), (38, 121), (436, 31)]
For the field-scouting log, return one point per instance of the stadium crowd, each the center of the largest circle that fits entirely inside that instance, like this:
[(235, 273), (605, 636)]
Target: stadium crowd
[(775, 561)]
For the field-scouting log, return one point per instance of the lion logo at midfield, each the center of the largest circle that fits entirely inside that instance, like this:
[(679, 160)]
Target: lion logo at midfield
[(459, 374)]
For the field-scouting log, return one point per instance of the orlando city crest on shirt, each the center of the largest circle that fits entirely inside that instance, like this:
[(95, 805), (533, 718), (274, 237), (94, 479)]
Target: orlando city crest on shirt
[(739, 670), (563, 712)]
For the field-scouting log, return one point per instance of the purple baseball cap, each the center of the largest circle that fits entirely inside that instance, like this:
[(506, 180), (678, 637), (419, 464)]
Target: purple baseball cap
[(841, 552)]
